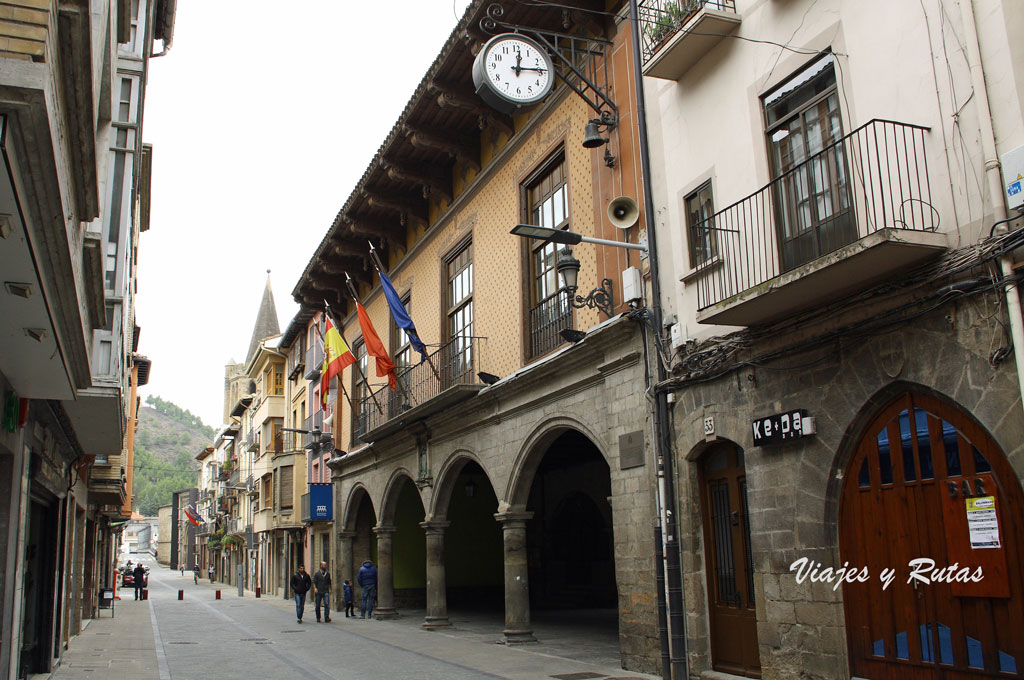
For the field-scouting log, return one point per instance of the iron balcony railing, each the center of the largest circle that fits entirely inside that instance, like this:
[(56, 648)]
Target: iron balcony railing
[(251, 441), (234, 477), (661, 19), (457, 362), (235, 526), (314, 358), (547, 319), (875, 177)]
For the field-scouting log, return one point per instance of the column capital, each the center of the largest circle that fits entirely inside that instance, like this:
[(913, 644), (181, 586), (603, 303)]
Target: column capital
[(435, 526), (510, 518), (384, 529), (347, 534)]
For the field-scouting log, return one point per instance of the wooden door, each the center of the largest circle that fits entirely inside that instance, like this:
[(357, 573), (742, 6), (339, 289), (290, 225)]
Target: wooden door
[(920, 466), (730, 566)]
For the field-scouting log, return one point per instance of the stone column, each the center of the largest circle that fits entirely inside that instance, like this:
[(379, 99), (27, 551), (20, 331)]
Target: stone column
[(346, 570), (517, 589), (385, 578), (437, 585)]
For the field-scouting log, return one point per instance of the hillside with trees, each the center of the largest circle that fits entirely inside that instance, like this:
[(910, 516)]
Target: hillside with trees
[(166, 444)]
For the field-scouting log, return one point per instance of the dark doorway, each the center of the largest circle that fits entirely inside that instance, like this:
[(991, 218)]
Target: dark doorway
[(569, 539), (40, 575), (473, 553)]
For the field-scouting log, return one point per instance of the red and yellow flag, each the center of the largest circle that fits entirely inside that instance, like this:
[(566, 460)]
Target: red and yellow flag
[(337, 356)]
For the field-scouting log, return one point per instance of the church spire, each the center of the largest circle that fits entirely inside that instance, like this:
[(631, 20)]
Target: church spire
[(267, 324)]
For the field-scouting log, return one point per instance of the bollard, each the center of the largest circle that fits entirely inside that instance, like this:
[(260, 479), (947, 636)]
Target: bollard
[(257, 591), (145, 593), (181, 594), (218, 594)]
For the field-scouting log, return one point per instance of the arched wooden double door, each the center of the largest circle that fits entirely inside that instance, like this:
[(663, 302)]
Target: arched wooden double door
[(927, 482)]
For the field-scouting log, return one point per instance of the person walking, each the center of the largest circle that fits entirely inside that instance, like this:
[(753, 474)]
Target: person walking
[(349, 605), (367, 578), (139, 579), (211, 571), (322, 592), (300, 586), (195, 574)]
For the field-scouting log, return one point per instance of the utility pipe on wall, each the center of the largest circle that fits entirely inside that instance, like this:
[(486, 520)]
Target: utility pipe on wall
[(994, 182)]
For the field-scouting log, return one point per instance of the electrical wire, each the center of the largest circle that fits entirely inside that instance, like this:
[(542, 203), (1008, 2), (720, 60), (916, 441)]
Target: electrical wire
[(711, 359)]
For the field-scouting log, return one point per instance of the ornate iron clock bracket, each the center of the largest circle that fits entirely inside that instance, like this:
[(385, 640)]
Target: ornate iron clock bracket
[(584, 60)]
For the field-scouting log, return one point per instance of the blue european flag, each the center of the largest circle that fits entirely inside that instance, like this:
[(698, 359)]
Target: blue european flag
[(401, 316)]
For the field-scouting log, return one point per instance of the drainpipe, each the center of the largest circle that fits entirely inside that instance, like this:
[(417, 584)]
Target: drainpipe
[(670, 566), (994, 181)]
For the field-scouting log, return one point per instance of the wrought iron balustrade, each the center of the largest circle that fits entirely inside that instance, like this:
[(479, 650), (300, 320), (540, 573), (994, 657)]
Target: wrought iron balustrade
[(875, 177), (457, 362), (547, 319), (314, 358), (661, 19)]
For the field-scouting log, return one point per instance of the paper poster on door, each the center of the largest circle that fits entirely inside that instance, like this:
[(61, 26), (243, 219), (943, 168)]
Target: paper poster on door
[(982, 522)]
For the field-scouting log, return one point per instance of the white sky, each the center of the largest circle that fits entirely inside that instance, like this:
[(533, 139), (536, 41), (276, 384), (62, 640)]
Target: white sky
[(262, 119)]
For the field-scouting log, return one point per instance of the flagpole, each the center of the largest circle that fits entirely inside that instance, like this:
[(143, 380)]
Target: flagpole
[(355, 298), (340, 381), (355, 364), (380, 269)]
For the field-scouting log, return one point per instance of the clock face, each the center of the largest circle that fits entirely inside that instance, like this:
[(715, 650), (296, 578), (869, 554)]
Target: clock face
[(513, 71)]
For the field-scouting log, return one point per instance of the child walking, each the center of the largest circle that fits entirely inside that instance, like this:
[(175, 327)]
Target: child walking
[(349, 600)]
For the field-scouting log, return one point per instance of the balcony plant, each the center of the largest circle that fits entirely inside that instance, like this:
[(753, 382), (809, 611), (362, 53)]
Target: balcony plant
[(670, 18)]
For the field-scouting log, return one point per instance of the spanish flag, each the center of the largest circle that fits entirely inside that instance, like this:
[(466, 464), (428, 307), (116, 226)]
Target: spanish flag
[(337, 356)]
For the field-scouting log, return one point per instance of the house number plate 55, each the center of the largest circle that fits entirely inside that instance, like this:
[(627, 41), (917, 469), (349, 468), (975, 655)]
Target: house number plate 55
[(709, 426)]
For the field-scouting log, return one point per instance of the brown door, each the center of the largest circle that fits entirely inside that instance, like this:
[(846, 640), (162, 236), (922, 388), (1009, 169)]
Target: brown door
[(729, 563), (919, 470)]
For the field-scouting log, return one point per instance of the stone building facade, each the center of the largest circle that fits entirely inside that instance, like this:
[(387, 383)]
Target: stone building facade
[(837, 255), (511, 470)]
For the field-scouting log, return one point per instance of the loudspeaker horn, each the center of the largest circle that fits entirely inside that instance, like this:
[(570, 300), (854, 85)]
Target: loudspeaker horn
[(623, 212)]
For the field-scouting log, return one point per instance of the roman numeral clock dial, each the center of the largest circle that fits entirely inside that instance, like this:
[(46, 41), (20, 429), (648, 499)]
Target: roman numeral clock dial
[(512, 72)]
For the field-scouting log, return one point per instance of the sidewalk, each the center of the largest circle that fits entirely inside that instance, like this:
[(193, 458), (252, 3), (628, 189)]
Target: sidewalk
[(113, 648), (163, 638)]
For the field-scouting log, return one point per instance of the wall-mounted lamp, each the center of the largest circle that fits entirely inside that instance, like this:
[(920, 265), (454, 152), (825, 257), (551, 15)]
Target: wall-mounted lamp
[(470, 489), (600, 298)]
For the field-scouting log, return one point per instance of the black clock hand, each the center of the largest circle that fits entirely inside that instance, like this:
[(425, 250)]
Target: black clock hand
[(519, 60)]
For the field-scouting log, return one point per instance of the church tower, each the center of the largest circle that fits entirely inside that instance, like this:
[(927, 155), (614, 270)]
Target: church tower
[(266, 326)]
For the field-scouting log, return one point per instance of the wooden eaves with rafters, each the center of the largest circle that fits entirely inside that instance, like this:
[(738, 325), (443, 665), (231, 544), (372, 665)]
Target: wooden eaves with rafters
[(432, 155)]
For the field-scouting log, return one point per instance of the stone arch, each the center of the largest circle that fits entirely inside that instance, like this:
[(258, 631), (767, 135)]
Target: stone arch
[(392, 490), (532, 452), (355, 497), (446, 478), (855, 430)]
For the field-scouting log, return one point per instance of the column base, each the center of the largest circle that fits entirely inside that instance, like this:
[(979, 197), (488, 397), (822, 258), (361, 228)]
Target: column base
[(385, 613), (518, 637), (435, 622)]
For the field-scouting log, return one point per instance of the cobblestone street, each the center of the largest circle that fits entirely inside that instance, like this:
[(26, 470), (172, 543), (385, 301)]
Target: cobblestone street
[(202, 637)]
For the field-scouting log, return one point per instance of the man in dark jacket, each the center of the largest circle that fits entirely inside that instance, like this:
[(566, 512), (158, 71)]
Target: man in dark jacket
[(368, 582), (322, 592), (139, 579), (300, 586)]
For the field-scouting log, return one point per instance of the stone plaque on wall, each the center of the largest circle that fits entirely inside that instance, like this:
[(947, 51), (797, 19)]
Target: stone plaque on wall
[(631, 450)]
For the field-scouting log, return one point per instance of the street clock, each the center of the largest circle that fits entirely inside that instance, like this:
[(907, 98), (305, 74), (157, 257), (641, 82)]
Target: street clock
[(512, 72)]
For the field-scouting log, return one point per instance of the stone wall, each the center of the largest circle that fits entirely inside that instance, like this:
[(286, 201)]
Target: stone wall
[(793, 489), (597, 391)]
